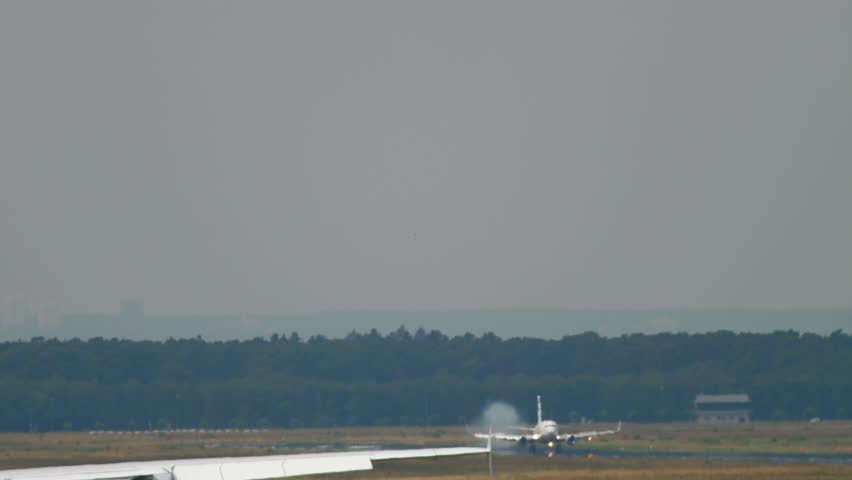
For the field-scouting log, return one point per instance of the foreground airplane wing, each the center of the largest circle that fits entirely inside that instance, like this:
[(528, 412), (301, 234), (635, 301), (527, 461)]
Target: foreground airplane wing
[(236, 468)]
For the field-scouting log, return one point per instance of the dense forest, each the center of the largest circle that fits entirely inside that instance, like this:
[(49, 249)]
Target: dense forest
[(415, 378)]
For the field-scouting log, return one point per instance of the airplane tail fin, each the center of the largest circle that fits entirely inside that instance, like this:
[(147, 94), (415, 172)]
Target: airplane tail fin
[(618, 428), (538, 401)]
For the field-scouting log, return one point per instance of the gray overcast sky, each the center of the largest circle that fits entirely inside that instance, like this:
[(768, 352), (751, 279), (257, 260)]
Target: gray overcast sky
[(314, 156)]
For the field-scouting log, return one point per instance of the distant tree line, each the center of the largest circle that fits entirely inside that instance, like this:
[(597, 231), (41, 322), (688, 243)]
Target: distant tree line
[(420, 378)]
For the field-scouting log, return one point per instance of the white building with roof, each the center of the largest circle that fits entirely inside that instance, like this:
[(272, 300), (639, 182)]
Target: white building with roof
[(727, 408)]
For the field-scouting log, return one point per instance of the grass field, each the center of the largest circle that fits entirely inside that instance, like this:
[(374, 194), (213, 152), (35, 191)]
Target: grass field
[(18, 450), (539, 468), (776, 437)]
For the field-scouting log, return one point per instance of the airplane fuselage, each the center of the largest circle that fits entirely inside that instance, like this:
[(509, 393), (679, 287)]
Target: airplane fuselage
[(545, 431)]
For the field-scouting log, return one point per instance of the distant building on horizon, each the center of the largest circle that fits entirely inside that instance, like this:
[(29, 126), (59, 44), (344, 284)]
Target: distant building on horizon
[(50, 316), (18, 311), (726, 408), (131, 310)]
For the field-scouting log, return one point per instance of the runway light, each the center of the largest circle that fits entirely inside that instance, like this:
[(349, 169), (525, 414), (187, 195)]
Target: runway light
[(590, 439), (549, 444)]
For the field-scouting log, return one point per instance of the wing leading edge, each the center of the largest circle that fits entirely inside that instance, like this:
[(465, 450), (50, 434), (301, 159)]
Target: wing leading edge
[(500, 436), (598, 433), (236, 468)]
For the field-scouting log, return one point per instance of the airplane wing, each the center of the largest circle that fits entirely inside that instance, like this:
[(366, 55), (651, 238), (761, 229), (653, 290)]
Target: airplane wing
[(525, 429), (500, 436), (595, 433), (228, 468)]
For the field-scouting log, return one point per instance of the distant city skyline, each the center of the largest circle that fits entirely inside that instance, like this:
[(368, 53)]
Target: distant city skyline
[(130, 321), (301, 157)]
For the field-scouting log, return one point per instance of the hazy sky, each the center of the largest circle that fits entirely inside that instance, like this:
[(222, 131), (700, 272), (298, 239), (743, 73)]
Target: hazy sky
[(314, 156)]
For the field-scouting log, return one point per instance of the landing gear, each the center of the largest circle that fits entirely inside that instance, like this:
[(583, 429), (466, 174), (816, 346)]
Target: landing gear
[(530, 445)]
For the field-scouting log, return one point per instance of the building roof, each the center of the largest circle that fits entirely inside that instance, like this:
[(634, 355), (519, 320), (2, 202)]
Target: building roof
[(726, 398)]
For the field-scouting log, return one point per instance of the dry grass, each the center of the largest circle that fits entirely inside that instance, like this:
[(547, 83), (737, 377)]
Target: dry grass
[(777, 437), (538, 468)]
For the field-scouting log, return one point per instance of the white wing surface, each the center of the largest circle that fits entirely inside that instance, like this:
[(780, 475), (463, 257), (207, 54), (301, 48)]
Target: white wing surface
[(500, 436), (595, 433), (236, 468)]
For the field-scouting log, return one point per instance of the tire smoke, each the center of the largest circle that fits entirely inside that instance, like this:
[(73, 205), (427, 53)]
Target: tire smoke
[(499, 414)]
